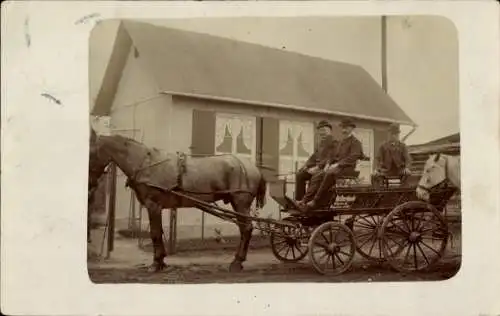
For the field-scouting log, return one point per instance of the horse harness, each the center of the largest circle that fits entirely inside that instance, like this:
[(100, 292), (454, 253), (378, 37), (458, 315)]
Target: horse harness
[(182, 169)]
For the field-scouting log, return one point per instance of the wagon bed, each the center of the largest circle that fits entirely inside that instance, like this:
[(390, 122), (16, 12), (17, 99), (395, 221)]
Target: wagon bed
[(384, 224)]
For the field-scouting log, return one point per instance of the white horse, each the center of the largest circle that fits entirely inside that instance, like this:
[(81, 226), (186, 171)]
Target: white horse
[(438, 169)]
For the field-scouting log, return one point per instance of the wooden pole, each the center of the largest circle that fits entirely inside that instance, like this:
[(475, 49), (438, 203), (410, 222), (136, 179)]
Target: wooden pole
[(111, 208), (133, 224), (172, 238), (139, 230), (202, 225), (384, 52)]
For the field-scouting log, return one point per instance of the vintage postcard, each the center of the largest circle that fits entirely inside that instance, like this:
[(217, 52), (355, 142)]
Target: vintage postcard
[(304, 132), (260, 148)]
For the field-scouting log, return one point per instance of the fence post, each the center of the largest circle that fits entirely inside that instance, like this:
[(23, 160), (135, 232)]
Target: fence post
[(172, 238), (202, 225), (111, 208)]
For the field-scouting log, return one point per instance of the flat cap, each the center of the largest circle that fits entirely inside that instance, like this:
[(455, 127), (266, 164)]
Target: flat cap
[(394, 128), (324, 123), (347, 122)]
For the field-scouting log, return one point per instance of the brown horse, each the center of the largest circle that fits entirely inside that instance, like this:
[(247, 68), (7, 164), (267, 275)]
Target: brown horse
[(152, 174)]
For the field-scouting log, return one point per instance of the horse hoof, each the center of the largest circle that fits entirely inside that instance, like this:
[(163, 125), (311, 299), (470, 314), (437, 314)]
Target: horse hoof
[(157, 267), (235, 266)]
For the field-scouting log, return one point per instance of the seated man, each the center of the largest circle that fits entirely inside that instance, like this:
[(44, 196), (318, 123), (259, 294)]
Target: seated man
[(347, 153), (393, 158), (317, 161)]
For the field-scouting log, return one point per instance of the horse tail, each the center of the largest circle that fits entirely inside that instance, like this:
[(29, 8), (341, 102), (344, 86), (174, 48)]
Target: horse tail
[(261, 193)]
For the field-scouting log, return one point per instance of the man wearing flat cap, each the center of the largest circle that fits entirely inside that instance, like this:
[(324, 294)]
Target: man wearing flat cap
[(393, 158), (313, 167), (344, 159)]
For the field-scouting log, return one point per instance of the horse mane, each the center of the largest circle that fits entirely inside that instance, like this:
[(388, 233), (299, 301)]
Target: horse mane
[(130, 140)]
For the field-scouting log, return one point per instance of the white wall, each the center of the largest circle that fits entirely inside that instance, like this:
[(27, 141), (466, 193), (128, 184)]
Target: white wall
[(138, 111)]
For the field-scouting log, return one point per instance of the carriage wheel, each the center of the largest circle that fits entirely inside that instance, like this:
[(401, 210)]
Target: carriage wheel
[(290, 244), (414, 236), (331, 248), (366, 231)]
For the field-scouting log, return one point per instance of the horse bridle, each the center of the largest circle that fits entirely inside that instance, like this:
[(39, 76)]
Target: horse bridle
[(445, 181)]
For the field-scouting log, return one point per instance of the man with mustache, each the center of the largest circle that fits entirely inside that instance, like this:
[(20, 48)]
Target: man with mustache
[(343, 161), (312, 170), (393, 158)]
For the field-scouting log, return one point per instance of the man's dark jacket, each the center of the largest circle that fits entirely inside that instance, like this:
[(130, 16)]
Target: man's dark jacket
[(348, 152), (393, 156), (323, 154)]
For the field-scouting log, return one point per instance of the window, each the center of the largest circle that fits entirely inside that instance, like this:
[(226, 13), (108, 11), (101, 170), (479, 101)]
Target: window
[(235, 134), (296, 145), (365, 168)]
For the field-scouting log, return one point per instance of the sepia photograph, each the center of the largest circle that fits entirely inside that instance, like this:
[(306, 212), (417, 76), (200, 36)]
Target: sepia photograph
[(250, 157), (274, 150)]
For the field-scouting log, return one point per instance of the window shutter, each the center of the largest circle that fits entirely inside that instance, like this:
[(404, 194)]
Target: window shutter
[(203, 133), (268, 146)]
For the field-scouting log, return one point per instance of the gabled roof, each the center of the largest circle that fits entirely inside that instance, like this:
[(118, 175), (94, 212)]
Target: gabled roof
[(199, 64), (449, 144), (453, 138)]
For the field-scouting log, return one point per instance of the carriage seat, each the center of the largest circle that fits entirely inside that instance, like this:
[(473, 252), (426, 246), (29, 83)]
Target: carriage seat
[(354, 174), (388, 180)]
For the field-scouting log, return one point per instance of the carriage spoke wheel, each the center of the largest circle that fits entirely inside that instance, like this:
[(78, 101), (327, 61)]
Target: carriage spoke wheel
[(366, 231), (414, 236), (290, 244), (331, 248)]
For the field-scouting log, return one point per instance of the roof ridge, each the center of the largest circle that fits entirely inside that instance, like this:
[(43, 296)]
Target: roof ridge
[(223, 38), (187, 61)]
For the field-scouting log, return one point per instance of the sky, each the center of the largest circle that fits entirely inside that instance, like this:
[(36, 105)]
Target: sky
[(422, 56)]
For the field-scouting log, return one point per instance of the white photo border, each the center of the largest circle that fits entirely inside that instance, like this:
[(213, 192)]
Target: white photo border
[(45, 132)]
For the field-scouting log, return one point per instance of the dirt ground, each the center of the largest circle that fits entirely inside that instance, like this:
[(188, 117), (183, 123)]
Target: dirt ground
[(128, 264)]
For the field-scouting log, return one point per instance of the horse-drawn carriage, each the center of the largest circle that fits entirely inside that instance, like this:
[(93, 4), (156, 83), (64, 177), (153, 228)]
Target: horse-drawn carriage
[(386, 223)]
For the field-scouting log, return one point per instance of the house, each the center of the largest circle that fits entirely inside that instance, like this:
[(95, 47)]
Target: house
[(201, 94)]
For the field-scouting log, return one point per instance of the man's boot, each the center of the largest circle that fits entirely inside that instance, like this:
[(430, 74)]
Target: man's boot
[(300, 184)]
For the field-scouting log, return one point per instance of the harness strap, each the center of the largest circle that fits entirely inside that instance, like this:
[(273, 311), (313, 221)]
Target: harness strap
[(182, 168)]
